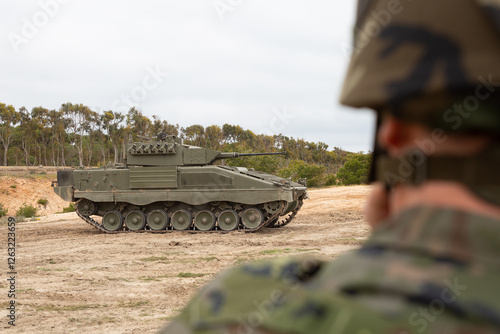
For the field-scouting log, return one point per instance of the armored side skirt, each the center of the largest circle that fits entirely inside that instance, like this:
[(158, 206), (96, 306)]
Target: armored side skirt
[(191, 196)]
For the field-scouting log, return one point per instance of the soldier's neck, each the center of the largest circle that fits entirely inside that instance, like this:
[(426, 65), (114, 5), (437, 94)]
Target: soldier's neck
[(440, 194)]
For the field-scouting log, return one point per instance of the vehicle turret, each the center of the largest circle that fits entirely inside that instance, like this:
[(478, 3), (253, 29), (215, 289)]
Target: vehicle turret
[(168, 150)]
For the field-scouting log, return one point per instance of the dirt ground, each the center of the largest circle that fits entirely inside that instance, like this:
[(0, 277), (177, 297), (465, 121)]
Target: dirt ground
[(72, 278)]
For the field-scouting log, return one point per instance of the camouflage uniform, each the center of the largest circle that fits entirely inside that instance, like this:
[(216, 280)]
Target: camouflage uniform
[(422, 272), (428, 269)]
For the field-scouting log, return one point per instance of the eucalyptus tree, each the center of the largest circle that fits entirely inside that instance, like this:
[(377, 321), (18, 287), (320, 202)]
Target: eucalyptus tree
[(195, 135), (112, 123), (58, 124), (42, 132), (78, 116), (137, 123), (214, 137), (8, 117)]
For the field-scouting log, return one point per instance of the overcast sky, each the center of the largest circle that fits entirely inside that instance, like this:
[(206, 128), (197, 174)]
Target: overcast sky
[(271, 66)]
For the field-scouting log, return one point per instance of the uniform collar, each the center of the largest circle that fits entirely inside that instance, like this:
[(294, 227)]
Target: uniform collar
[(445, 234)]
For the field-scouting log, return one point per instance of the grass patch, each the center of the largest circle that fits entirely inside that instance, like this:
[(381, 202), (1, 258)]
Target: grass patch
[(275, 251), (13, 186), (118, 279), (134, 304), (210, 258), (190, 275), (70, 208), (99, 268), (44, 269), (155, 278), (3, 211), (150, 279), (301, 250), (52, 308), (43, 201), (154, 258), (47, 269), (92, 321)]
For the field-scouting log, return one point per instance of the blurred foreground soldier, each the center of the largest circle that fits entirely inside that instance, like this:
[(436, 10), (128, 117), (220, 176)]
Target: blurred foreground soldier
[(431, 71)]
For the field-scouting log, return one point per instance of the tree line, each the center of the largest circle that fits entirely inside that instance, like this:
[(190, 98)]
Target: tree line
[(76, 135)]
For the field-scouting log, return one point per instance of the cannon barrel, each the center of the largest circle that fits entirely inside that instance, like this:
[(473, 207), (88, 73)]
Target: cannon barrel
[(228, 155)]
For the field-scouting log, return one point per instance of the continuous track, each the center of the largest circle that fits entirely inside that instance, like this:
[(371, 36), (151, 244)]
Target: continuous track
[(287, 220), (266, 223)]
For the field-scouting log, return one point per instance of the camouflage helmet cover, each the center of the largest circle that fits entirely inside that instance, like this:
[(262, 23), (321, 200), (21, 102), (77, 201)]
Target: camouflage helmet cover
[(435, 62)]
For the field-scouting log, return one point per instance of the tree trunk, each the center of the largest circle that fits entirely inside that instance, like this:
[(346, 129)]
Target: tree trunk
[(45, 155), (26, 153), (53, 154), (103, 152), (39, 154), (61, 145), (115, 148), (63, 158), (80, 155), (6, 148)]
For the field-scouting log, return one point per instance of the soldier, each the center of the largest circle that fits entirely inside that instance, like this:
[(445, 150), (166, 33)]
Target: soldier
[(431, 71)]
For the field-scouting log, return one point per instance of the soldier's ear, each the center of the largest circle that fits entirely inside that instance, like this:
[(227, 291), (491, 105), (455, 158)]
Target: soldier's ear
[(396, 136)]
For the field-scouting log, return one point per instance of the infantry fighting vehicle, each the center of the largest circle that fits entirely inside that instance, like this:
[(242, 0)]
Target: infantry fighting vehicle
[(164, 186)]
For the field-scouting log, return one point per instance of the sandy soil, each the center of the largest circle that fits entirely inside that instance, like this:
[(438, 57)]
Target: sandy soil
[(73, 279), (15, 191)]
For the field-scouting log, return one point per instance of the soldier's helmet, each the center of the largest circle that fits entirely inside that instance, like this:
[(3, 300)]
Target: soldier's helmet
[(435, 62)]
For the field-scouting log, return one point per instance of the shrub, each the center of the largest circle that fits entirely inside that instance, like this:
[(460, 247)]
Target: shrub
[(266, 164), (298, 169), (26, 211), (70, 208), (331, 180), (355, 170), (43, 201), (13, 186), (3, 211)]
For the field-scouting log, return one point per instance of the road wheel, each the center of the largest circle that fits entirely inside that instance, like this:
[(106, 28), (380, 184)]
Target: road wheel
[(112, 221), (157, 220), (204, 220), (252, 218), (135, 220), (228, 220), (181, 220)]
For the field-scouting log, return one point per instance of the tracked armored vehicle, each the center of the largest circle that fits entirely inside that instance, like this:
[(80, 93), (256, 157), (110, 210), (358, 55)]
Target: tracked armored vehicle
[(165, 186)]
